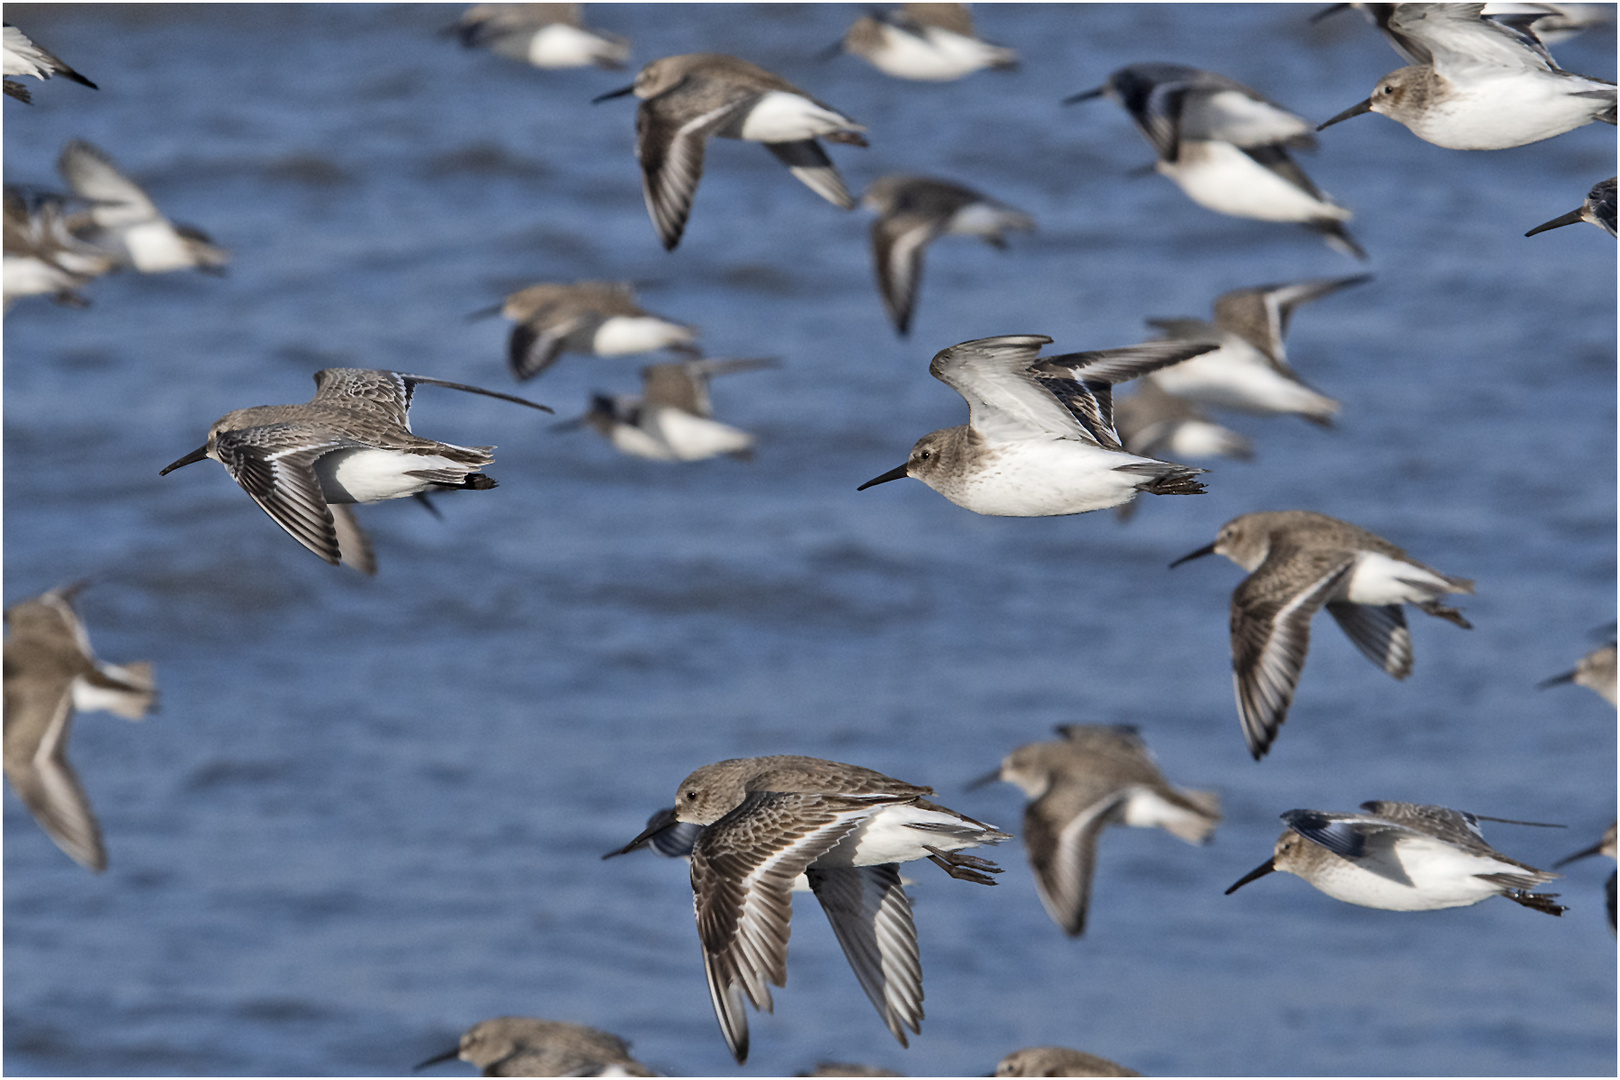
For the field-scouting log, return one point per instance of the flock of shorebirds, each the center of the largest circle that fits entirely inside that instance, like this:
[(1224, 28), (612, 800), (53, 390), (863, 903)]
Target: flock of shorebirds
[(1044, 436)]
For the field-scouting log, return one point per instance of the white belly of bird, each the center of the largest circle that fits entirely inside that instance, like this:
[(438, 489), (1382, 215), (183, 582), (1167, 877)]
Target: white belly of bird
[(28, 276), (980, 219), (1238, 376), (623, 335), (1199, 439), (1498, 113), (562, 46), (931, 59), (629, 439), (780, 116), (694, 438), (1220, 177), (887, 836), (155, 248), (1147, 809), (366, 476), (1442, 876), (1042, 477), (1379, 579)]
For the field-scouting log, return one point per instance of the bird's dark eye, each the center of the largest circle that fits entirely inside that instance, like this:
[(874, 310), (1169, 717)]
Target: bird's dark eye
[(691, 796)]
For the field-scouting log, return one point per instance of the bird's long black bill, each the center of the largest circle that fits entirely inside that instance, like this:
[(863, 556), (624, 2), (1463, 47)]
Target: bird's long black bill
[(613, 94), (988, 778), (1557, 680), (453, 1052), (1570, 218), (1258, 872), (1354, 110), (486, 312), (1207, 549), (656, 824), (897, 473), (831, 52), (1331, 9), (1595, 849), (1085, 95), (196, 455)]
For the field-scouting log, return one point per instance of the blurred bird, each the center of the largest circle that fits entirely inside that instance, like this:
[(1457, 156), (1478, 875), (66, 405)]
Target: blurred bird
[(1596, 672), (124, 221), (1606, 846), (1040, 436), (689, 97), (49, 672), (925, 42), (1249, 371), (1298, 561), (526, 1046), (672, 419), (1403, 857), (41, 255), (23, 57), (544, 35), (1478, 83), (1095, 776), (1058, 1061), (767, 820), (598, 318), (351, 443), (913, 212), (1597, 209), (844, 1068), (1156, 423), (1226, 146)]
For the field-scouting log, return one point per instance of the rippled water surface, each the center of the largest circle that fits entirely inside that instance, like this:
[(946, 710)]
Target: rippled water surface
[(369, 812)]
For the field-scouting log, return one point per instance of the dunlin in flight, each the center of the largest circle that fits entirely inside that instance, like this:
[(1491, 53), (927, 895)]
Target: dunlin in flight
[(1249, 371), (125, 221), (689, 97), (1403, 857), (544, 35), (672, 419), (526, 1046), (924, 42), (1226, 146), (1598, 209), (50, 671), (597, 318), (914, 211), (1479, 84), (1040, 436), (350, 443), (767, 820), (23, 57), (1094, 777), (1298, 561)]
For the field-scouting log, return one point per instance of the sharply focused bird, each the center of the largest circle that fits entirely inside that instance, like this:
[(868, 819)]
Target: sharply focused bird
[(1478, 83), (351, 443), (1040, 436), (767, 820)]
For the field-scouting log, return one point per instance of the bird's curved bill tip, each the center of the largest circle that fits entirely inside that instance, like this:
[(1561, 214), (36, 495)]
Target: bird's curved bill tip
[(1556, 223), (1354, 110), (196, 455), (988, 778), (1556, 680), (621, 92), (453, 1052), (657, 825), (1258, 872), (1325, 12), (1085, 95), (1207, 549), (897, 473)]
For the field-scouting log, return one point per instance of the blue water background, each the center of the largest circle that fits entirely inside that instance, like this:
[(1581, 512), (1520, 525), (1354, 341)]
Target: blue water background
[(369, 812)]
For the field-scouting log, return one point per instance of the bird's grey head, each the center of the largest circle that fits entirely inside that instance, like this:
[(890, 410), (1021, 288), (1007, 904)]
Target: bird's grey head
[(1029, 768), (933, 456), (662, 74), (709, 794)]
